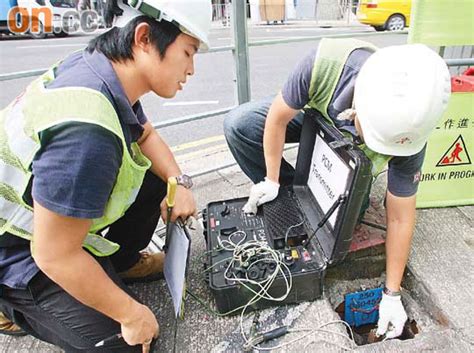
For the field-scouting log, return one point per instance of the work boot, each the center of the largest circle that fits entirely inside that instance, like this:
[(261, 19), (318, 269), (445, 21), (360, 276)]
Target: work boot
[(148, 268), (8, 327)]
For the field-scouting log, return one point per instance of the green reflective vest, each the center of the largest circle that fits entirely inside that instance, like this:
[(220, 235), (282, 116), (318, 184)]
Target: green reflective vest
[(328, 65), (36, 110)]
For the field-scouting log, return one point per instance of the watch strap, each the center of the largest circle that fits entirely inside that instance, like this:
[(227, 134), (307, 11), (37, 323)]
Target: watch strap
[(391, 293), (184, 180)]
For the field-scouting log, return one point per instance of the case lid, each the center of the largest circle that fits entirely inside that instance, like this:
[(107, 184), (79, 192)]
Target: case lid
[(330, 165)]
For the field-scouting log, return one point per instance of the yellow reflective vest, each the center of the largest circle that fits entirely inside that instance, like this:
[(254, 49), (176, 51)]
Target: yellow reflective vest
[(38, 109), (328, 65)]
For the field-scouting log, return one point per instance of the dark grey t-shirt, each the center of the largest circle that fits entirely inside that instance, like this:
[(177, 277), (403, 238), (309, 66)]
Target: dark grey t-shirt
[(403, 172)]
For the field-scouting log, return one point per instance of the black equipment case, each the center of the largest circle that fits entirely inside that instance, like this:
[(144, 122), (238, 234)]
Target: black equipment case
[(331, 182)]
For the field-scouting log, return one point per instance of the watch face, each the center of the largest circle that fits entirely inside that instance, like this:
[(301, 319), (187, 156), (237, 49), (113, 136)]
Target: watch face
[(185, 180)]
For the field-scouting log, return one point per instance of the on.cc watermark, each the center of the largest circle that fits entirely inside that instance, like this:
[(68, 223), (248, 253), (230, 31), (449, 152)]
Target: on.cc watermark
[(43, 20)]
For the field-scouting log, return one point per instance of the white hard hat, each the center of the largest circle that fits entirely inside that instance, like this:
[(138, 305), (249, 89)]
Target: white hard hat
[(400, 94), (193, 17)]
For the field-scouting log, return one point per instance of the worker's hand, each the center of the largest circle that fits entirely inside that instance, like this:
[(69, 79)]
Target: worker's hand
[(391, 311), (184, 205), (261, 193), (140, 327)]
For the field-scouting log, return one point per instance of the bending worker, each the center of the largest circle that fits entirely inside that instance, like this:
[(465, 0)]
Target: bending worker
[(79, 156), (391, 99)]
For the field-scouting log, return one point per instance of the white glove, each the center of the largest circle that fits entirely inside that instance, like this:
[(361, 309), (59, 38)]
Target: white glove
[(261, 193), (391, 311)]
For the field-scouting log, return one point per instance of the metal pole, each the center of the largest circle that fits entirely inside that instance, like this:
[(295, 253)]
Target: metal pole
[(316, 11), (460, 62), (22, 74), (189, 118), (349, 14), (348, 10), (441, 51), (241, 51)]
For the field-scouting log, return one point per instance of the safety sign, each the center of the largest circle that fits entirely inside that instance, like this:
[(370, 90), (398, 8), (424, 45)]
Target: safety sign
[(456, 154), (447, 175)]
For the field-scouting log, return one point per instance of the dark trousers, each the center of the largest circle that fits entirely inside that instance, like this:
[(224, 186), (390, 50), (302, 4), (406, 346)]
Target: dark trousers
[(47, 312)]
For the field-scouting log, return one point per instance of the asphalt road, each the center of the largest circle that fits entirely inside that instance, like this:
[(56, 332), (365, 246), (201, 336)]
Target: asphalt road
[(212, 87)]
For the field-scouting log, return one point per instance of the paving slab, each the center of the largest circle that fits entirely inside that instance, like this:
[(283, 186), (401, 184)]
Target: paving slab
[(156, 296), (26, 344), (442, 262)]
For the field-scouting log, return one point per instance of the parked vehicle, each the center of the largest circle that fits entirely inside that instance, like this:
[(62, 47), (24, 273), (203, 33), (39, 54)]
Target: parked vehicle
[(390, 15), (63, 20)]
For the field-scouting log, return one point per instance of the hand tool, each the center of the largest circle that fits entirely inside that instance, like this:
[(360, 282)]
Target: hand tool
[(171, 193)]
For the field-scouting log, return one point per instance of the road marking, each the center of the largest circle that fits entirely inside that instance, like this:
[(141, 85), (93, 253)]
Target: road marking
[(171, 104), (256, 38), (53, 46), (222, 147), (203, 152), (302, 29), (205, 141)]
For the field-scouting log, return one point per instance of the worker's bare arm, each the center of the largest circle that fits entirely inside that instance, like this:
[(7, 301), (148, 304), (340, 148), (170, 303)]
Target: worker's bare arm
[(164, 165), (401, 213), (158, 152), (279, 115)]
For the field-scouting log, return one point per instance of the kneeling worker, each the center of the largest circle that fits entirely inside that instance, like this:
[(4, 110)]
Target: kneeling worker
[(388, 99), (79, 156)]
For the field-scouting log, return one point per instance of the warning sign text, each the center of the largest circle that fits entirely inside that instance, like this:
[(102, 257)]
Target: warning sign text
[(452, 175)]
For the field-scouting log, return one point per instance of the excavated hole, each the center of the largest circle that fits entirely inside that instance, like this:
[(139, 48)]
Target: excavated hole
[(365, 334), (363, 273)]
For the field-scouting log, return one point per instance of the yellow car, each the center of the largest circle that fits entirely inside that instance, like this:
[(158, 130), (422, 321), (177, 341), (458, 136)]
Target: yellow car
[(391, 15)]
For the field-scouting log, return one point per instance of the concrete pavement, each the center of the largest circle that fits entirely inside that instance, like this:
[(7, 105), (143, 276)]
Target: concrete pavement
[(438, 286)]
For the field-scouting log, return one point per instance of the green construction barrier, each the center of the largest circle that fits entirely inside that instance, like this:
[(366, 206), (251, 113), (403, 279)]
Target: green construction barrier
[(442, 22), (447, 178)]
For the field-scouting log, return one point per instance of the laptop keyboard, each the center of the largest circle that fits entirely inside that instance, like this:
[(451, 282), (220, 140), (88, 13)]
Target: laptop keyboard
[(282, 213)]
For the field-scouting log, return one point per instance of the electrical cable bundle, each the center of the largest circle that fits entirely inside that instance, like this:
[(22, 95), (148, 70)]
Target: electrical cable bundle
[(246, 255)]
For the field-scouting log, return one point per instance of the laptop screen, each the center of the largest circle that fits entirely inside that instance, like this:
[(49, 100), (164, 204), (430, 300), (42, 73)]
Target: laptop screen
[(328, 177)]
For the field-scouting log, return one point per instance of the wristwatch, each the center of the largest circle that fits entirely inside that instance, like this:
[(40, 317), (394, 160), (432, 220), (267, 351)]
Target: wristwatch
[(390, 292), (185, 180)]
